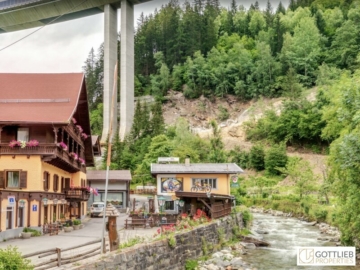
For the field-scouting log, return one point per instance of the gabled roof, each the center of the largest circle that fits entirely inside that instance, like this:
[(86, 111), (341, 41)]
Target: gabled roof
[(120, 175), (46, 98), (39, 98), (224, 168)]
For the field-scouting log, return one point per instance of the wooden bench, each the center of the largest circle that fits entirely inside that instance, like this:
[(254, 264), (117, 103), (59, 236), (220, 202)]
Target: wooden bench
[(138, 223)]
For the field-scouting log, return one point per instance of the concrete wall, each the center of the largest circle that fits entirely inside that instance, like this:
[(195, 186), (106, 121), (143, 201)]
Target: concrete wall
[(159, 255)]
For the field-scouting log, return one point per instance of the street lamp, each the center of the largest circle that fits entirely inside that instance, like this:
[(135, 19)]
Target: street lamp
[(161, 202), (63, 201), (55, 201), (21, 203), (45, 201), (181, 204)]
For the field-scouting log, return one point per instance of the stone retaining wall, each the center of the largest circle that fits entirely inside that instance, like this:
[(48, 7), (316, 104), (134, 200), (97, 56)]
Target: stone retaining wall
[(159, 255)]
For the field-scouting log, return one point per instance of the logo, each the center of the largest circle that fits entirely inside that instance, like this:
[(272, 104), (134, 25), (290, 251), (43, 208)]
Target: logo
[(306, 255), (326, 256)]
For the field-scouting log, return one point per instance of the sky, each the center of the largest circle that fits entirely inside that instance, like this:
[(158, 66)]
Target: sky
[(64, 47)]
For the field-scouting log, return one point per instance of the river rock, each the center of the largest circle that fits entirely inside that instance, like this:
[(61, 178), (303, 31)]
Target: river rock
[(217, 255), (236, 262), (324, 238), (248, 245), (228, 256), (262, 232)]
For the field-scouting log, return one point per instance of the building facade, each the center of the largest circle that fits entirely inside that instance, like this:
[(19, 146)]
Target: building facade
[(45, 146), (118, 187), (203, 186)]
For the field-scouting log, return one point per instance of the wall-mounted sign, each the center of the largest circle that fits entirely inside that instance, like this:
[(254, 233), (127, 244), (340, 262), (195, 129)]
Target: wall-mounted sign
[(234, 181), (171, 184), (11, 200), (34, 207)]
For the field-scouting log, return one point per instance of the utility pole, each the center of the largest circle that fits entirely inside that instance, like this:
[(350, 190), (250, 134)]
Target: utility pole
[(103, 248)]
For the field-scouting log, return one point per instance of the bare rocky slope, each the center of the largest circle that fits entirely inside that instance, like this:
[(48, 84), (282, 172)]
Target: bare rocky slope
[(200, 111)]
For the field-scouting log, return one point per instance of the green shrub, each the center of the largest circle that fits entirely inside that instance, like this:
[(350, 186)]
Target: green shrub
[(11, 259), (172, 241), (246, 217), (191, 264), (77, 222), (321, 214), (275, 205), (131, 242), (32, 231), (275, 158), (223, 113), (257, 157)]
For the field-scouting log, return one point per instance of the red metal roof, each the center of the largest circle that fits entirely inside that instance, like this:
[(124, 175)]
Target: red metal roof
[(39, 98)]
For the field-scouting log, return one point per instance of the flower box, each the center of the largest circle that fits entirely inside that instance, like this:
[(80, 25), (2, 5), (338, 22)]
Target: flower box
[(63, 146)]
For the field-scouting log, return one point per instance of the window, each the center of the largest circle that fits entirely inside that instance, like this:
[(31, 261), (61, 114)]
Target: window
[(212, 182), (46, 181), (13, 179), (56, 182), (169, 205), (23, 134)]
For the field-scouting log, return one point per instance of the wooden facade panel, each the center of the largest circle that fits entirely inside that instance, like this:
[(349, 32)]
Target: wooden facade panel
[(8, 133), (38, 133), (23, 179)]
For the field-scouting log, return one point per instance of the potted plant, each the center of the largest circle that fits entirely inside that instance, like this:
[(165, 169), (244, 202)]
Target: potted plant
[(62, 218), (76, 225), (26, 233), (67, 228)]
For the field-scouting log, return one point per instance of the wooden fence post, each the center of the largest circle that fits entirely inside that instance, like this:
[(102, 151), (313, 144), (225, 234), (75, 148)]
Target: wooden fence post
[(58, 251)]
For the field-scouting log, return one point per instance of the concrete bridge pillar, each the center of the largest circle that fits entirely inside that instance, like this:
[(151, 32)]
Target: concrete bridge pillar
[(110, 56), (126, 68)]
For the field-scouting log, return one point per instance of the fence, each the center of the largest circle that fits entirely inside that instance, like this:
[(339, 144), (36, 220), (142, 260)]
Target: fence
[(60, 260)]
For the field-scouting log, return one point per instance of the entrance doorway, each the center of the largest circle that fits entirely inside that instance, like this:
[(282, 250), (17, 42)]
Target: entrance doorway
[(9, 218), (21, 217)]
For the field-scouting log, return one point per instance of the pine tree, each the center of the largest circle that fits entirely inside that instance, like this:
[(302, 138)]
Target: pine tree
[(157, 120)]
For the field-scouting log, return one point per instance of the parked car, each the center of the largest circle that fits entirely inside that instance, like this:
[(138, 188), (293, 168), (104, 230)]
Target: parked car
[(96, 208)]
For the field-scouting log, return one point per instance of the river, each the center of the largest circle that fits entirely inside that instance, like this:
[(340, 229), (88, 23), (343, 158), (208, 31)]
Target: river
[(284, 235)]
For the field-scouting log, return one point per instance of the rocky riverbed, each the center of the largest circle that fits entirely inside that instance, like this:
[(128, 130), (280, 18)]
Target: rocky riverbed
[(284, 233)]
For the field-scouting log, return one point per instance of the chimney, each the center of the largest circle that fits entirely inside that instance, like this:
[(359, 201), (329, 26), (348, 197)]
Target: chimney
[(187, 161)]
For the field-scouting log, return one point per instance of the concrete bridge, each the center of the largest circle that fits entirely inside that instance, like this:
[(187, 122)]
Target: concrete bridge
[(23, 14)]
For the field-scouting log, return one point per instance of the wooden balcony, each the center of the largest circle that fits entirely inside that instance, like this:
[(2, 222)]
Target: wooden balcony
[(49, 152), (76, 194)]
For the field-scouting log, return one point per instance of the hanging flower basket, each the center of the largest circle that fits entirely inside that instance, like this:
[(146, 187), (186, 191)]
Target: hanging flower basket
[(14, 143), (32, 143), (63, 146), (79, 129), (82, 161), (74, 156), (84, 136)]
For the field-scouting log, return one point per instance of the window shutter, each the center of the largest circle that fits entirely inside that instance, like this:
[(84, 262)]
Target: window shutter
[(23, 179), (56, 181), (2, 179), (67, 183), (46, 181)]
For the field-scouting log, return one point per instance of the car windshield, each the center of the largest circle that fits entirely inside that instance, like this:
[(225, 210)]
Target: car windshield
[(98, 205)]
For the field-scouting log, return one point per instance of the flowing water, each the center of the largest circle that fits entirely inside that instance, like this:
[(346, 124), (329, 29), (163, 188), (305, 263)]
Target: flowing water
[(284, 235)]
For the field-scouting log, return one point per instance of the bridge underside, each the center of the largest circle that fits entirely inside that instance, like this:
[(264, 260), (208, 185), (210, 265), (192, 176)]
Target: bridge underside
[(23, 14)]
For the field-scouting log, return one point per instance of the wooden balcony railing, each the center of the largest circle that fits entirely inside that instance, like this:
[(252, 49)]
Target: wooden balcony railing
[(41, 149), (77, 194), (49, 151)]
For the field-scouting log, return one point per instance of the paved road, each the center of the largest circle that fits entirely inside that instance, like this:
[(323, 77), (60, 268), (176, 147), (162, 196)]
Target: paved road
[(92, 231)]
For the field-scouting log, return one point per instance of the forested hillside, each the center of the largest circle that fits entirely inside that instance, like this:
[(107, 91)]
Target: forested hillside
[(202, 49)]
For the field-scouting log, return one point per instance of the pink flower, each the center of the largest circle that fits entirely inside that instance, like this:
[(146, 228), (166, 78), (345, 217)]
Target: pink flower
[(63, 146), (82, 161), (74, 120), (32, 143), (14, 143), (84, 136), (79, 128), (74, 155)]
